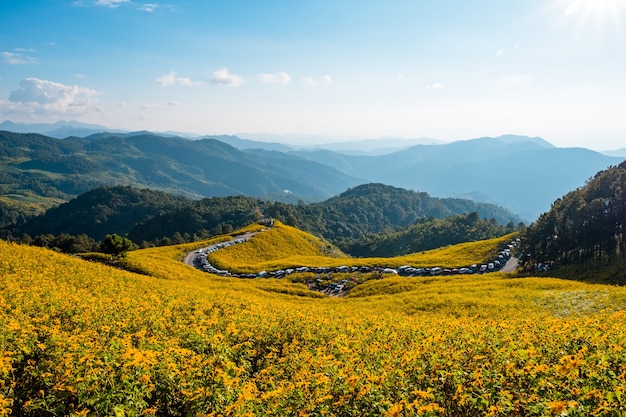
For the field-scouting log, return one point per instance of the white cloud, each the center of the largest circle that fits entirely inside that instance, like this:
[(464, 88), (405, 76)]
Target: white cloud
[(172, 78), (152, 107), (148, 7), (436, 86), (277, 78), (111, 3), (499, 52), (170, 105), (79, 75), (36, 96), (224, 77), (16, 58), (311, 81)]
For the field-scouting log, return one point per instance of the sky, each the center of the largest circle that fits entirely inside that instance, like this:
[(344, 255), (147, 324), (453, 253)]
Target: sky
[(446, 69)]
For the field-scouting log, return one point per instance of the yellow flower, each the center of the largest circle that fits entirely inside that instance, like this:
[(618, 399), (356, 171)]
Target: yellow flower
[(395, 410)]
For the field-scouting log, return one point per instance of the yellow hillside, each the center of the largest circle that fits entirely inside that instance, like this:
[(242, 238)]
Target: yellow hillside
[(275, 248), (284, 246), (80, 338)]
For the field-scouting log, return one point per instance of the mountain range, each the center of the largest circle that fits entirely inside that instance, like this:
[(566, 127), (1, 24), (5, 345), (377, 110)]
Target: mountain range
[(523, 174), (64, 168)]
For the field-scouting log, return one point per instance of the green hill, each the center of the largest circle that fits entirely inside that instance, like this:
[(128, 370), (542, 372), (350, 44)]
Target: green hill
[(583, 232), (65, 168), (348, 220), (362, 211)]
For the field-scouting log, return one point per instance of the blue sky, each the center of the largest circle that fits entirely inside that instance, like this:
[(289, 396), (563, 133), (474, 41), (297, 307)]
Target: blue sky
[(445, 70)]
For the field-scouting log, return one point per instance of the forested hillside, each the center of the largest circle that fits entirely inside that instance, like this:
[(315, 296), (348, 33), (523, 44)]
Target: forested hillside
[(372, 208), (145, 216), (428, 234), (66, 168), (585, 227), (151, 217), (103, 210)]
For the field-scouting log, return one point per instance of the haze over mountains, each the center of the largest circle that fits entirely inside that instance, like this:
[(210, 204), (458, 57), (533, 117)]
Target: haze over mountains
[(523, 174)]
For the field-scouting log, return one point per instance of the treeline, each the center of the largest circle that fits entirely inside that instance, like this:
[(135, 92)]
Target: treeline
[(352, 217), (363, 220), (428, 234), (584, 226), (147, 217), (101, 211)]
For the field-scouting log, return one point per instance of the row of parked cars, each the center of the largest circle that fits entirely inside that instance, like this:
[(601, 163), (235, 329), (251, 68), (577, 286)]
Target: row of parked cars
[(201, 261), (491, 266), (406, 270)]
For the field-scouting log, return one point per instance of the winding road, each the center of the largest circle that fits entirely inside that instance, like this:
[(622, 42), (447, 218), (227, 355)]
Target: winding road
[(191, 256), (190, 259)]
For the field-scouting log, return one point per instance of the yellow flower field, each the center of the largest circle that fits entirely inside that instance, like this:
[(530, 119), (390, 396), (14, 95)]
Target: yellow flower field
[(81, 338)]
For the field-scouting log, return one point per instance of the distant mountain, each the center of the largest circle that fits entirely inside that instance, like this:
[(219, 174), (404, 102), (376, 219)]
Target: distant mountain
[(59, 130), (373, 147), (341, 144), (523, 174), (200, 168), (249, 144), (617, 152)]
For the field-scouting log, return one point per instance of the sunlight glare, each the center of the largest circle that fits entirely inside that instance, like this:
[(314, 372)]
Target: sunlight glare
[(598, 10)]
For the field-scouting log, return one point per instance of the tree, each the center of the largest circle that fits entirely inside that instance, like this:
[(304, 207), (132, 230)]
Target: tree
[(116, 245)]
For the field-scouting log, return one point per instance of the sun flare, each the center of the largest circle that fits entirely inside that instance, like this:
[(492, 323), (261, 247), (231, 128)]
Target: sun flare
[(599, 11)]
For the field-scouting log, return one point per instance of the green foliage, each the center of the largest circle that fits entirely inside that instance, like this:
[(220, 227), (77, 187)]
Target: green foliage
[(203, 218), (144, 215), (584, 228), (116, 245), (155, 218), (349, 218), (69, 167), (427, 234), (17, 209), (104, 210)]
